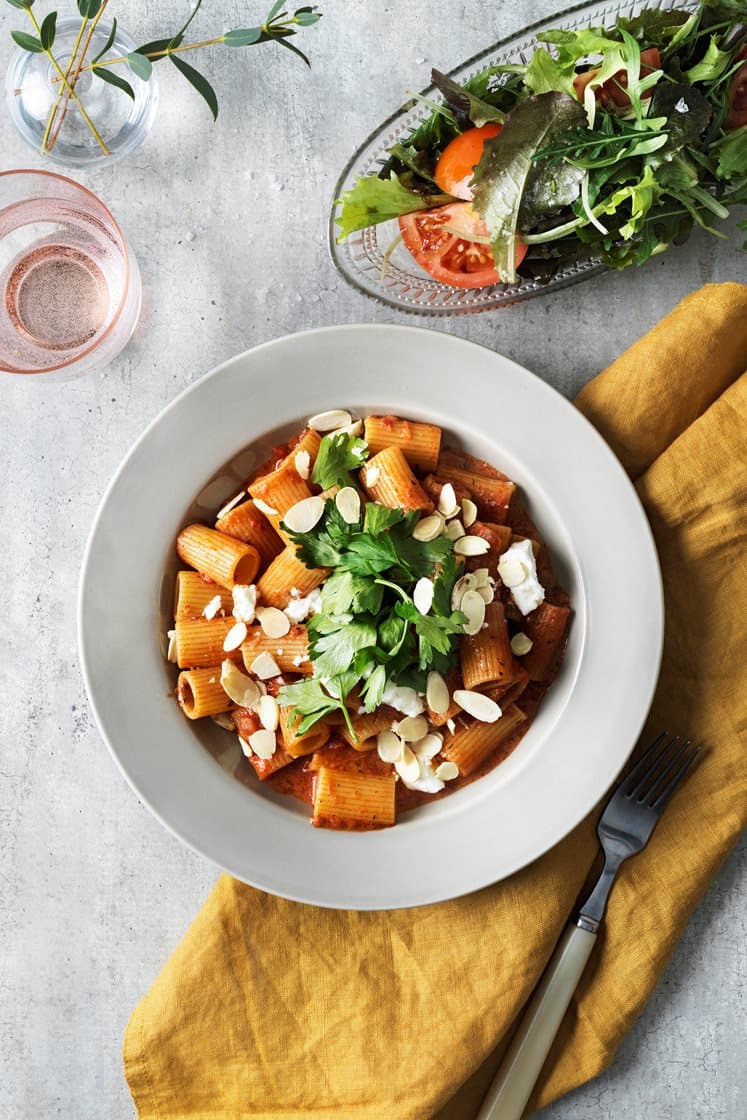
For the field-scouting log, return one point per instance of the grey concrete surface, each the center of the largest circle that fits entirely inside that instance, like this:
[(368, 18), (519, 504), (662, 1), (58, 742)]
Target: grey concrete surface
[(228, 224)]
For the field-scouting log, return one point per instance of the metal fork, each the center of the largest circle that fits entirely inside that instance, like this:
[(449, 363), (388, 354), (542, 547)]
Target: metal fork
[(624, 829)]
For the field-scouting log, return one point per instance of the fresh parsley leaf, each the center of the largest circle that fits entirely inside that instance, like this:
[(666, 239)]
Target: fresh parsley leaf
[(379, 518), (373, 689), (333, 653), (338, 455)]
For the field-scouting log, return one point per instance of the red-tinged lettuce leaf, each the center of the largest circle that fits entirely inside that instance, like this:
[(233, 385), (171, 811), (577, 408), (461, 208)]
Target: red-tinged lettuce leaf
[(469, 109), (506, 168)]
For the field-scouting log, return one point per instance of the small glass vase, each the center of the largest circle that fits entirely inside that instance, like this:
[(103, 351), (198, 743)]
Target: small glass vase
[(33, 87)]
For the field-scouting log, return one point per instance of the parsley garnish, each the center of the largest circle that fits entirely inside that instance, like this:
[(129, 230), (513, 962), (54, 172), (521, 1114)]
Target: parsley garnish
[(338, 455), (369, 630)]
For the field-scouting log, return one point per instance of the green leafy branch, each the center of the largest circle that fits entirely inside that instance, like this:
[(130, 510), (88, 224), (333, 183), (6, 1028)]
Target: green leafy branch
[(279, 27)]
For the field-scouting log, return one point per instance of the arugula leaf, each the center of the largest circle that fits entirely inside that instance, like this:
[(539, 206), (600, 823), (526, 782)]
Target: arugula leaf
[(712, 64), (654, 26), (338, 455), (414, 159), (468, 109), (374, 200), (507, 161)]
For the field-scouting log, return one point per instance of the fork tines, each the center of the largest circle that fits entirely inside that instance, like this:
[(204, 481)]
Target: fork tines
[(656, 775)]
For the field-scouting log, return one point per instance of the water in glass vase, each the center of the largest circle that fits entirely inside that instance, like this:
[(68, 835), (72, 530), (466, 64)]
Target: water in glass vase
[(65, 278)]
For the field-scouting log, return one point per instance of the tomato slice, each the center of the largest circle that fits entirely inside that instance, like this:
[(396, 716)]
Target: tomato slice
[(738, 95), (459, 159), (441, 241)]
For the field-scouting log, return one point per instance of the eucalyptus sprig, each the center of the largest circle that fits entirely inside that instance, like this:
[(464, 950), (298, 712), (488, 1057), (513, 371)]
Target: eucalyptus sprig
[(279, 26)]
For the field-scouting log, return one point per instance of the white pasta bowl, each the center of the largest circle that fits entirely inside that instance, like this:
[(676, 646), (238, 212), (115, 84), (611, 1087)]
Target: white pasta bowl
[(586, 510)]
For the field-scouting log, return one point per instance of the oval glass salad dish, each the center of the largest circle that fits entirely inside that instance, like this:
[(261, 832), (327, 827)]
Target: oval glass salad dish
[(594, 139)]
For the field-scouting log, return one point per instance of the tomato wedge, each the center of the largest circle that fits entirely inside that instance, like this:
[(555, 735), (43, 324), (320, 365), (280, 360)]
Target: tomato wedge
[(459, 158), (442, 242), (738, 95), (611, 91)]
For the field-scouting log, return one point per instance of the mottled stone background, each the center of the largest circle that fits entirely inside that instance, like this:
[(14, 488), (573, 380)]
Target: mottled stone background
[(228, 224)]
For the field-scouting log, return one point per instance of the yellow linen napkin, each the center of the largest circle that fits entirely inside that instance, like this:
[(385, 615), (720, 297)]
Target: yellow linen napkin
[(274, 1009)]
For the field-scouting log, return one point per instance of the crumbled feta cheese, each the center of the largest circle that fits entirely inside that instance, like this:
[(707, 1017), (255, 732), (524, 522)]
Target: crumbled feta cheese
[(527, 592), (403, 699), (244, 602), (298, 610)]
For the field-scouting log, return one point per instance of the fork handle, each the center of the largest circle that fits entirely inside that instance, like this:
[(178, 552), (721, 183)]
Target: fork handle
[(525, 1057)]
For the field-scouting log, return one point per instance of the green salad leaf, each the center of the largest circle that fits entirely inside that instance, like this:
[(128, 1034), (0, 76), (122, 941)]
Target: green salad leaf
[(372, 200), (507, 163), (712, 65), (544, 74), (732, 155), (468, 108)]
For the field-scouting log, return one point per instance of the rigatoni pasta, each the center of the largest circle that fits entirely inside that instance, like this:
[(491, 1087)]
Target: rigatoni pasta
[(378, 621), (222, 558)]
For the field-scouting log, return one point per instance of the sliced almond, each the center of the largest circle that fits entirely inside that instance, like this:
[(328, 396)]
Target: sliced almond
[(238, 686), (171, 651), (229, 505), (371, 475), (447, 771), (268, 712), (354, 429), (512, 571), (471, 546), (473, 606), (412, 728), (469, 512), (348, 502), (447, 503), (428, 528), (455, 530), (477, 705), (465, 583), (389, 746), (304, 515), (428, 747), (224, 720), (328, 421), (263, 743), (265, 666), (302, 463), (247, 750), (482, 577), (451, 725), (521, 644), (437, 693), (275, 623), (212, 608), (407, 766), (235, 636), (487, 594), (422, 595), (268, 511)]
